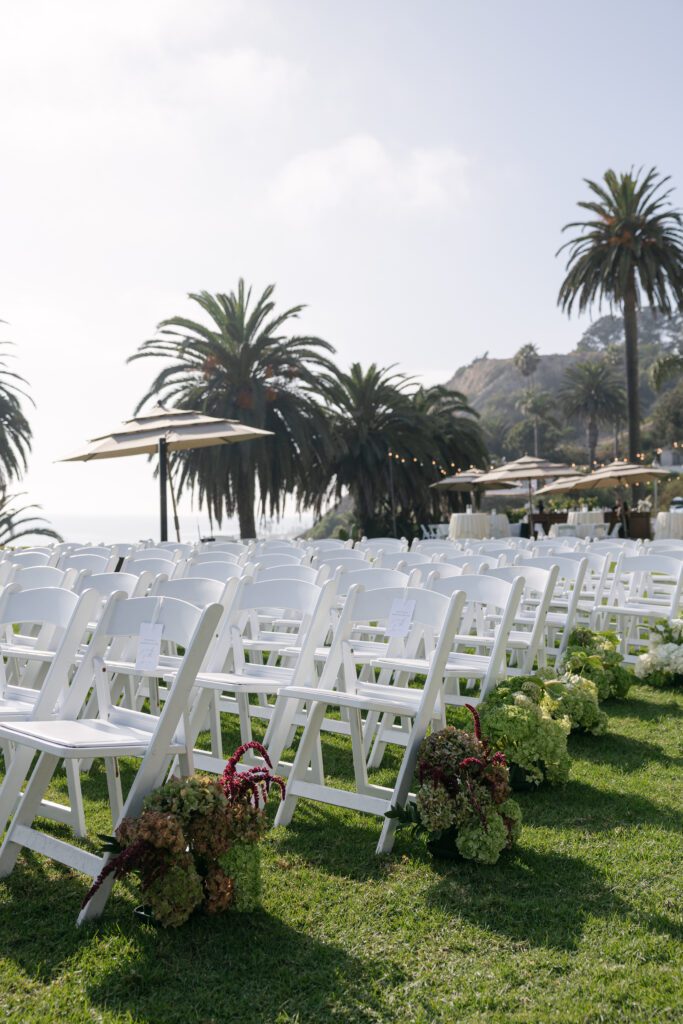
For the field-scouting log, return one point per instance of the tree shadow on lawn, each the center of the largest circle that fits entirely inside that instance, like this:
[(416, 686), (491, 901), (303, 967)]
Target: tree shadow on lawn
[(240, 967), (645, 710), (541, 899), (624, 752), (229, 967), (579, 805)]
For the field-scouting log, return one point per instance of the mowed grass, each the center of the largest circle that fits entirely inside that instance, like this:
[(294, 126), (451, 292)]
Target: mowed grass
[(581, 923)]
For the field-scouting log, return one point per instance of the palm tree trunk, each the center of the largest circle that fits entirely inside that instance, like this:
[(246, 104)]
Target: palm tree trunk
[(616, 439), (631, 352), (592, 433), (245, 494), (536, 436)]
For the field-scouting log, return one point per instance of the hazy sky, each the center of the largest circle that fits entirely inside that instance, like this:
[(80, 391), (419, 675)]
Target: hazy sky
[(404, 168)]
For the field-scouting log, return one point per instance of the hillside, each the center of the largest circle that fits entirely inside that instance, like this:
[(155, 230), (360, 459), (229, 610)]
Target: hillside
[(494, 386)]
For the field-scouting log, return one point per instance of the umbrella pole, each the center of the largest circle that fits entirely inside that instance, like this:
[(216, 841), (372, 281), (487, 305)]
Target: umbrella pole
[(176, 521), (531, 514), (163, 472)]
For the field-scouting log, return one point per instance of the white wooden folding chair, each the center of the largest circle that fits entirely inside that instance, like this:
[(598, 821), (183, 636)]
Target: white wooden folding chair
[(236, 674), (645, 588), (35, 577), (62, 618), (307, 779), (154, 565), (28, 558), (290, 572), (115, 733), (565, 605), (221, 571)]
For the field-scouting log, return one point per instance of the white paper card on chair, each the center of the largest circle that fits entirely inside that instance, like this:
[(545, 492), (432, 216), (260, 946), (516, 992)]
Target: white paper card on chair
[(400, 618), (149, 646)]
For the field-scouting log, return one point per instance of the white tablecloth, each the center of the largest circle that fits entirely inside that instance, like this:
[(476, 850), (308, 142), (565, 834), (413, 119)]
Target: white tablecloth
[(478, 526), (574, 518), (669, 525)]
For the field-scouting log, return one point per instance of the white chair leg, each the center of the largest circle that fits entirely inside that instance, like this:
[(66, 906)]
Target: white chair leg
[(304, 756), (27, 810)]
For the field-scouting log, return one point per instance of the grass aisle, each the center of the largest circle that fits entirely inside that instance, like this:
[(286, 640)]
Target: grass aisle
[(583, 923)]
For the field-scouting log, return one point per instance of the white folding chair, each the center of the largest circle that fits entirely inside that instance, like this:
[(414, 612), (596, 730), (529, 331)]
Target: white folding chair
[(34, 577), (154, 565), (34, 692), (355, 697), (116, 732), (645, 588), (222, 571), (27, 558)]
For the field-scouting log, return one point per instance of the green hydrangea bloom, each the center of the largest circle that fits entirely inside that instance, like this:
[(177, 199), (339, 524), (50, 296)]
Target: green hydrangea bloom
[(435, 807), (186, 797), (596, 656), (512, 816), (527, 733), (175, 893), (483, 844), (576, 698)]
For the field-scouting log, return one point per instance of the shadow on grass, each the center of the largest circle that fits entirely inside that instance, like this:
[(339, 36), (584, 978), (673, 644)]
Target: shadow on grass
[(542, 899), (230, 967), (624, 752), (646, 710)]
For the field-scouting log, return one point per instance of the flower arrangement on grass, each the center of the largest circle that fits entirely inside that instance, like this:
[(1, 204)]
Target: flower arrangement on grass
[(463, 802), (596, 656), (662, 665), (195, 843), (519, 719), (576, 698)]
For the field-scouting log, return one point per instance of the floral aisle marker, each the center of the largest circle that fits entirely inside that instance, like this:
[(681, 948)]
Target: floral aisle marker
[(463, 803), (195, 843), (596, 656), (662, 665)]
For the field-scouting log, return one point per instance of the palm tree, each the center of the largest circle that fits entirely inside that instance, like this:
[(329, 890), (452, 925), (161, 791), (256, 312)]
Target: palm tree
[(632, 246), (592, 391), (394, 439), (15, 432), (539, 407), (243, 365), (666, 368), (15, 523), (526, 359)]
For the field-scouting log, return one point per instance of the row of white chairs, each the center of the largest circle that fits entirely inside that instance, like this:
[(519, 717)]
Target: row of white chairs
[(281, 649)]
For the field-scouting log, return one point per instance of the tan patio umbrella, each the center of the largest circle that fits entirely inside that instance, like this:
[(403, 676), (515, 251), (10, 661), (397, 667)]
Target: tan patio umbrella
[(468, 480), (565, 486), (166, 430), (528, 468), (619, 474)]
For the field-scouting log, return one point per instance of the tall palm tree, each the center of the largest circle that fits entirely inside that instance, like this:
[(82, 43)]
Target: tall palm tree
[(593, 392), (632, 247), (242, 364), (539, 407), (394, 439), (15, 431)]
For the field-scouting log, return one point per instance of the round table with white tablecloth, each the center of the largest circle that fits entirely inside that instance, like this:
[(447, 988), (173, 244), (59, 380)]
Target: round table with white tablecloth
[(669, 526), (478, 526), (576, 518)]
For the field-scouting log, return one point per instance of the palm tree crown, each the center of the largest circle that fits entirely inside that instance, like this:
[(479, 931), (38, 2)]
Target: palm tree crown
[(243, 365), (394, 439), (15, 432), (630, 248), (592, 391), (526, 359)]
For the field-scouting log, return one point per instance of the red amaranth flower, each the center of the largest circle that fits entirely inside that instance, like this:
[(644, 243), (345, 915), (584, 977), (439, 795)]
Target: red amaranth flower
[(253, 784)]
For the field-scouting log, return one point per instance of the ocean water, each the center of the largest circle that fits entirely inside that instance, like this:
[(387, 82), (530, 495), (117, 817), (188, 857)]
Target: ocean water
[(128, 529)]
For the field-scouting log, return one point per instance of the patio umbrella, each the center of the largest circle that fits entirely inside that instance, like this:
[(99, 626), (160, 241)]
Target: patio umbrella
[(528, 468), (468, 480), (618, 474), (564, 486), (166, 430)]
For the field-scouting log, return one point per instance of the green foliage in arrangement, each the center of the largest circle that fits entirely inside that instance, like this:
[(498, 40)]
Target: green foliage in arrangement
[(517, 721), (596, 656), (463, 803)]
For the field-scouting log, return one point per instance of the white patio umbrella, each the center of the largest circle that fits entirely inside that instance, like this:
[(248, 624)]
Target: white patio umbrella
[(163, 430), (565, 486)]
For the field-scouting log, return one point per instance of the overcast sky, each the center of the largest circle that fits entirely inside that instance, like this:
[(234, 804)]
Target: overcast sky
[(404, 168)]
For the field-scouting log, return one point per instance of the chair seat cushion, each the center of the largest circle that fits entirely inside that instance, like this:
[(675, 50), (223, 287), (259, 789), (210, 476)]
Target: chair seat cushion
[(87, 737)]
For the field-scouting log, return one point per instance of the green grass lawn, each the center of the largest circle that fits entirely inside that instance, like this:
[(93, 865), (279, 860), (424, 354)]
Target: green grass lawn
[(581, 923)]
